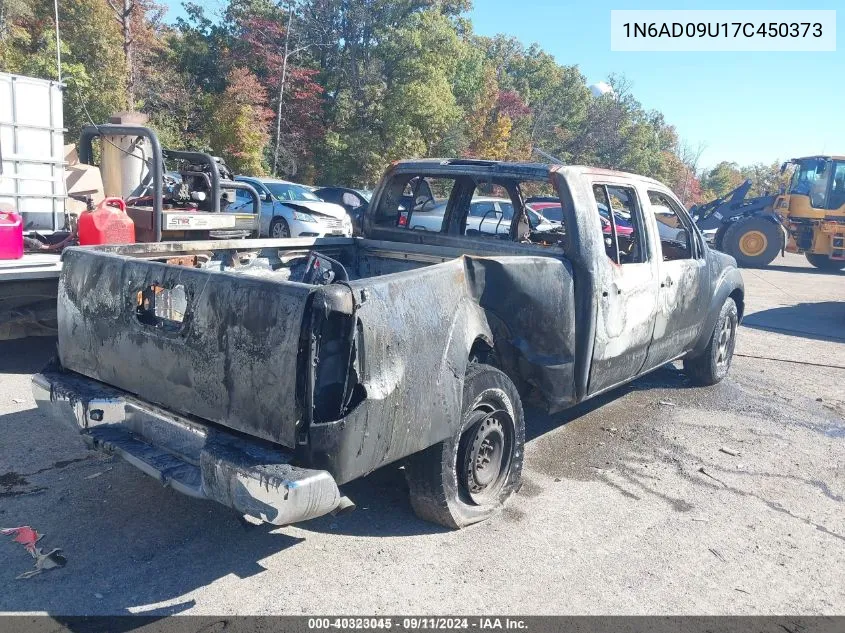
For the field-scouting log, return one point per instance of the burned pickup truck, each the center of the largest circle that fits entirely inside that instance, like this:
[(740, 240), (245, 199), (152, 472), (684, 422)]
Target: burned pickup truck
[(264, 374)]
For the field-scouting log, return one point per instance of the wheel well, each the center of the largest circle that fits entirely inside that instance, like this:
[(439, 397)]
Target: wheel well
[(482, 352), (739, 299)]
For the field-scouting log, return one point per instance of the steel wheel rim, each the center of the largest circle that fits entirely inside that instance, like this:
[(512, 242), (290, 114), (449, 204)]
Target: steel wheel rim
[(724, 348), (753, 243), (280, 229), (486, 455)]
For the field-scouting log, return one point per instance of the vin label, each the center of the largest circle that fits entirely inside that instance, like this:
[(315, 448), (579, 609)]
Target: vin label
[(723, 30)]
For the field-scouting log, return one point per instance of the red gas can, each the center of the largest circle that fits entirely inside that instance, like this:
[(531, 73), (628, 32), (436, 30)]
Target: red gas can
[(11, 235), (107, 224)]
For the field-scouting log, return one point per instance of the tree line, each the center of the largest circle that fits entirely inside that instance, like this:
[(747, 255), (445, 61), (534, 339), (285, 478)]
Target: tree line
[(332, 91)]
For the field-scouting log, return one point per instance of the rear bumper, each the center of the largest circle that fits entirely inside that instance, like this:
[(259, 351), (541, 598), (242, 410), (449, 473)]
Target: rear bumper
[(200, 460)]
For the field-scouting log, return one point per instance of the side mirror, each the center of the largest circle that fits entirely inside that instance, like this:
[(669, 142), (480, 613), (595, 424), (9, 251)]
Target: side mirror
[(267, 196)]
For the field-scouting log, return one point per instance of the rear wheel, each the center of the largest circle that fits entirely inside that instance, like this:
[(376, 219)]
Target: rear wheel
[(823, 262), (713, 364), (467, 477), (753, 242), (279, 228)]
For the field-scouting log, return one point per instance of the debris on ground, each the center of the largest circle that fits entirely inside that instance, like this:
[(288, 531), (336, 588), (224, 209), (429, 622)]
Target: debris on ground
[(28, 537), (706, 474), (667, 403), (95, 475), (729, 451), (716, 553)]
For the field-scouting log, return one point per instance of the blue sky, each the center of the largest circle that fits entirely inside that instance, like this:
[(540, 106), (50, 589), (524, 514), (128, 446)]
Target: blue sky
[(744, 107)]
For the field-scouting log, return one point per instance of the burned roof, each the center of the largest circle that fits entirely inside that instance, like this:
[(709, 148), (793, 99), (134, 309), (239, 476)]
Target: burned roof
[(502, 169)]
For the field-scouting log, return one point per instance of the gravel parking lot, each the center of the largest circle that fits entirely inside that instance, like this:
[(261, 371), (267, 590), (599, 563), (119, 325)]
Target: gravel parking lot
[(657, 498)]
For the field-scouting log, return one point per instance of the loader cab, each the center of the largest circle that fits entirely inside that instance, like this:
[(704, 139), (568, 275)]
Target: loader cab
[(816, 189)]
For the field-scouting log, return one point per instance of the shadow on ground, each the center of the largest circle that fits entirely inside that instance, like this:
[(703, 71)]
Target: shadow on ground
[(807, 270), (381, 498), (822, 321), (26, 355), (128, 541), (131, 543)]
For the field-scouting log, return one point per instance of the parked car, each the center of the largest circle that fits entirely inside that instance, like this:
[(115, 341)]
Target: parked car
[(486, 215), (353, 200), (554, 212), (263, 376), (289, 209)]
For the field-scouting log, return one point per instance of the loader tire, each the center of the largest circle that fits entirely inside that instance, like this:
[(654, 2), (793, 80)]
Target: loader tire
[(467, 477), (713, 364), (823, 262), (753, 242)]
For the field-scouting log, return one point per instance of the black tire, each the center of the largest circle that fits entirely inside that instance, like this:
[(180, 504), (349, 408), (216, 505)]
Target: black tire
[(753, 242), (466, 478), (823, 262), (713, 364), (279, 228)]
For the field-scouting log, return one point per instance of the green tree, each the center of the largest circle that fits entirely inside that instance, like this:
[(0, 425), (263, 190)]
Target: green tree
[(95, 85), (721, 179)]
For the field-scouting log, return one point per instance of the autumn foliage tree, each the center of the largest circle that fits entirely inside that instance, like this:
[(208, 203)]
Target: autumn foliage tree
[(267, 49), (330, 91), (96, 86), (241, 123)]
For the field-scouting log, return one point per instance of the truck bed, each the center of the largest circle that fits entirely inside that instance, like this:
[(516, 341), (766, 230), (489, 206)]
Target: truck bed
[(232, 333)]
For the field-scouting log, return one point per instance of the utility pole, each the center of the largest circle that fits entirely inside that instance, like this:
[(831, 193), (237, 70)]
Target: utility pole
[(123, 15), (58, 41), (282, 89)]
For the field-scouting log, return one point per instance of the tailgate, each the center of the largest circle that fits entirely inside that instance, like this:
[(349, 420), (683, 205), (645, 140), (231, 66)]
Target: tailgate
[(226, 350)]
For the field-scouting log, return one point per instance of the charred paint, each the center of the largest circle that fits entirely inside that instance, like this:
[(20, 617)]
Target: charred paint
[(365, 372)]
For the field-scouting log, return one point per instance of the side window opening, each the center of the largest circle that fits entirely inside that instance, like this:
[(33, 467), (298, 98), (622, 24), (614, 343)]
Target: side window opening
[(350, 201), (244, 198), (620, 222), (504, 210), (837, 192), (676, 240), (486, 217), (415, 202)]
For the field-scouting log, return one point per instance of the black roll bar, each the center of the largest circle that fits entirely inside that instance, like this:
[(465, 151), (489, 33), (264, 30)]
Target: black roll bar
[(156, 166), (86, 155)]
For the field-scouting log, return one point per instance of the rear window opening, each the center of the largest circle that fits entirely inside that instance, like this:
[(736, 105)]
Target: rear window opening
[(496, 208)]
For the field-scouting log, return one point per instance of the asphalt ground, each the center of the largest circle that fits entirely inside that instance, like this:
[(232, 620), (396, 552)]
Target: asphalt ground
[(658, 498)]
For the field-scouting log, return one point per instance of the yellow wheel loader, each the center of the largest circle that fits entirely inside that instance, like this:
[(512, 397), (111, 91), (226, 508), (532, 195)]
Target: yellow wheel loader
[(807, 217)]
